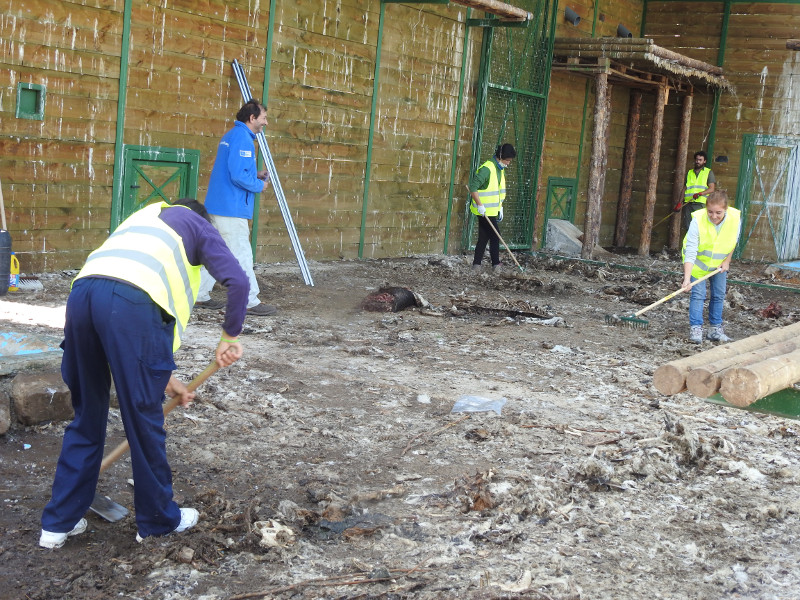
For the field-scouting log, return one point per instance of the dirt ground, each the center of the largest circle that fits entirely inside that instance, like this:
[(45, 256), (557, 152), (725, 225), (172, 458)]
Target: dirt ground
[(327, 462)]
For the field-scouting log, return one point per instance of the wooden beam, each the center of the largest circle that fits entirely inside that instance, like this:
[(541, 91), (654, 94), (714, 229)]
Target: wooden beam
[(680, 171), (628, 163), (501, 9), (597, 168), (652, 171), (741, 386)]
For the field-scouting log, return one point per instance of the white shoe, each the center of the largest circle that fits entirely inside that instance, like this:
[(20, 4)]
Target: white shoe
[(696, 334), (189, 518), (717, 334), (51, 539)]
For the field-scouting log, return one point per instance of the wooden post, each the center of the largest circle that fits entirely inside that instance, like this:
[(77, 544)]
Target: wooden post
[(680, 171), (704, 381), (597, 169), (652, 171), (741, 386), (671, 378), (628, 163)]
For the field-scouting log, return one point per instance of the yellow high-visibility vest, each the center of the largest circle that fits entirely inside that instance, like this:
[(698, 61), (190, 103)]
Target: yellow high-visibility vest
[(147, 253), (696, 183), (713, 246), (494, 194)]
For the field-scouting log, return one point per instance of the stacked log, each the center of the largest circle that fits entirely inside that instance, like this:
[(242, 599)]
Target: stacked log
[(743, 371), (628, 48)]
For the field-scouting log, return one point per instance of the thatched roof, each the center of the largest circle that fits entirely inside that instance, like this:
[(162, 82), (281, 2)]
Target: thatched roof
[(635, 62)]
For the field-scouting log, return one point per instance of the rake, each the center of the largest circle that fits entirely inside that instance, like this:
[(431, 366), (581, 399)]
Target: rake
[(634, 320)]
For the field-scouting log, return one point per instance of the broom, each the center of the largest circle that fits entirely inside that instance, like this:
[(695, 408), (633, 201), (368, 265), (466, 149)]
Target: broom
[(634, 320)]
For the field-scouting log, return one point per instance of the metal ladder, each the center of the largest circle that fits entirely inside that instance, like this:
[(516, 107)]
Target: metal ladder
[(241, 79)]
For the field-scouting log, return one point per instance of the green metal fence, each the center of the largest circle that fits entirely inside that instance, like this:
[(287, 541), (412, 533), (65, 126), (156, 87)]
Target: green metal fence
[(512, 106)]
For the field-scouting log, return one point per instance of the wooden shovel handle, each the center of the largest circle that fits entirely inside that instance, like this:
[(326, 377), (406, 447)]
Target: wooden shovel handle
[(122, 448), (673, 294)]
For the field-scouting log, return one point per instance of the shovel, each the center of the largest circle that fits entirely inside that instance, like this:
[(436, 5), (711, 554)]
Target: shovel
[(105, 506)]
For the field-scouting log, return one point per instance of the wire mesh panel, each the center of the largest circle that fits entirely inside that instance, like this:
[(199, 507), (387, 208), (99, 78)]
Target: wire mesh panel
[(769, 196), (515, 76)]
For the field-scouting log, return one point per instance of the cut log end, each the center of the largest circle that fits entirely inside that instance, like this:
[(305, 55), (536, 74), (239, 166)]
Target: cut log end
[(670, 379), (702, 383), (740, 387)]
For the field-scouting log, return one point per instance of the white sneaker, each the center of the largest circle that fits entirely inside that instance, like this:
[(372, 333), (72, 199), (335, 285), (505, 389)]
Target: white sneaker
[(51, 539), (717, 334), (189, 518), (696, 334)]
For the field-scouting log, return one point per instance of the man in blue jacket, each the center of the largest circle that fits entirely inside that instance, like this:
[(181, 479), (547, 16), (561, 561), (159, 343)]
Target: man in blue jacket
[(230, 200)]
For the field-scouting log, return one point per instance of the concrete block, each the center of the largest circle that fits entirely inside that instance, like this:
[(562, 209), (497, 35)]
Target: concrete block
[(565, 239), (41, 397), (562, 238), (5, 412)]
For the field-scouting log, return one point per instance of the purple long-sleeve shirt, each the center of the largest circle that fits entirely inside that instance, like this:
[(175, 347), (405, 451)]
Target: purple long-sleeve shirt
[(204, 246)]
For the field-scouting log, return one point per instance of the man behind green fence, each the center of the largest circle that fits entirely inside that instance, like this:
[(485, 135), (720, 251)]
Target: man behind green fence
[(488, 190)]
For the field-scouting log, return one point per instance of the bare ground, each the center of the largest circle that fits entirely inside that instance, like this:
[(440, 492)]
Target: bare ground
[(337, 425)]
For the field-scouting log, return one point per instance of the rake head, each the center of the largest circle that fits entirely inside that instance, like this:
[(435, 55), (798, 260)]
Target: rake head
[(631, 321)]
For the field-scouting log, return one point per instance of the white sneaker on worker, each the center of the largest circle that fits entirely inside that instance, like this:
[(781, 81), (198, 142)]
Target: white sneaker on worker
[(717, 334), (696, 334), (51, 539), (189, 518)]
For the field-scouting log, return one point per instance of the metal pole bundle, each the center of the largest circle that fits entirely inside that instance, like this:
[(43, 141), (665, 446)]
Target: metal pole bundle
[(241, 79)]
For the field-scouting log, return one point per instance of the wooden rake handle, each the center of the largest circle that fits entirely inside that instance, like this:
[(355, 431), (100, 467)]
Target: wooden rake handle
[(673, 294), (117, 452)]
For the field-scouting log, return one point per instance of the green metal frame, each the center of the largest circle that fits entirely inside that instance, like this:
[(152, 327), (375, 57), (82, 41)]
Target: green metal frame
[(265, 102), (456, 136), (785, 403), (586, 89), (746, 175), (553, 184), (38, 93), (371, 138), (187, 169), (122, 96), (522, 130)]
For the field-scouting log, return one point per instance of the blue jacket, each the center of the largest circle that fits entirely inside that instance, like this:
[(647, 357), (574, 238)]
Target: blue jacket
[(234, 180)]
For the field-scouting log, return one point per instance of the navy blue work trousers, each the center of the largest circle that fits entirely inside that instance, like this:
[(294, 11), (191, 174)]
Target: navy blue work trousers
[(114, 329)]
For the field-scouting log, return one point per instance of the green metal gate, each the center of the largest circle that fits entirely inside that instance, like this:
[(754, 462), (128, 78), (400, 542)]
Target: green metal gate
[(768, 195), (152, 174), (560, 203), (511, 107)]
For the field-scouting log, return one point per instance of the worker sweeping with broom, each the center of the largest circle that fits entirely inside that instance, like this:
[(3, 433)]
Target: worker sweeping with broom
[(708, 246), (126, 314), (487, 187)]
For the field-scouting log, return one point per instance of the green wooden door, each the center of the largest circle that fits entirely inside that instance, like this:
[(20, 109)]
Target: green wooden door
[(152, 174), (511, 107), (768, 195)]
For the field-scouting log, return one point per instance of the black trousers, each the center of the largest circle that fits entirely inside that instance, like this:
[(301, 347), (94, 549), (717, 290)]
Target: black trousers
[(487, 236), (686, 213)]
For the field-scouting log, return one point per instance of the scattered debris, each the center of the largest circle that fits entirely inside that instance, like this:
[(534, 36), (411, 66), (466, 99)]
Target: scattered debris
[(773, 311), (389, 299), (473, 404)]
